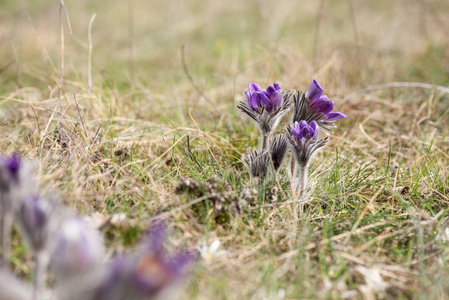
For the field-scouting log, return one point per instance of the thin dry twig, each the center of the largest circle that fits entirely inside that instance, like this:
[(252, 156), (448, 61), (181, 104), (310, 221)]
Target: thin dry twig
[(67, 16), (195, 86), (89, 59)]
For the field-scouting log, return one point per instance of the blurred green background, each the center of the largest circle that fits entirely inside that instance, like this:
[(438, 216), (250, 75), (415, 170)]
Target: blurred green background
[(227, 41)]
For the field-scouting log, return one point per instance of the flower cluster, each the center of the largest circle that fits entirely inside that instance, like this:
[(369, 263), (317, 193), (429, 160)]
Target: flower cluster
[(312, 111), (70, 249)]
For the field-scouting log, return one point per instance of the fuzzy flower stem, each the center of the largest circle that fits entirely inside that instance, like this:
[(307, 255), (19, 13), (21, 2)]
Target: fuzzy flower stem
[(263, 141), (302, 181), (293, 168), (5, 229), (37, 284), (39, 275)]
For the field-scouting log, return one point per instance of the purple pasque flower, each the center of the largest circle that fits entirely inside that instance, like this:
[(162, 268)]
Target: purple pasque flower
[(303, 130), (259, 99), (314, 106), (150, 273), (265, 107), (304, 141), (321, 103)]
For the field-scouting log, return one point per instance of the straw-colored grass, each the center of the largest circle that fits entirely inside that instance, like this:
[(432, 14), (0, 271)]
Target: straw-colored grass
[(154, 114)]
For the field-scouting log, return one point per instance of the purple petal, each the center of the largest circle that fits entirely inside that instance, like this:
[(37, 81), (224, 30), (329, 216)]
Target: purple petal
[(315, 129), (253, 100), (277, 87), (322, 105), (315, 91), (303, 124), (295, 128), (306, 132), (270, 91), (12, 165), (275, 101), (263, 99), (254, 87), (247, 97), (297, 125), (334, 116), (313, 125)]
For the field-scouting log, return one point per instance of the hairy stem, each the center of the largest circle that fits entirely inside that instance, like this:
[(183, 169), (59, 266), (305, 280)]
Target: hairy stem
[(263, 141), (302, 181), (5, 229), (293, 168), (39, 275)]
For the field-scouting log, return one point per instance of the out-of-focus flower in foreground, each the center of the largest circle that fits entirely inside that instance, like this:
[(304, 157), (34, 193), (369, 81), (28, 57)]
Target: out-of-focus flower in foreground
[(78, 249), (149, 275), (13, 288), (15, 184), (33, 216)]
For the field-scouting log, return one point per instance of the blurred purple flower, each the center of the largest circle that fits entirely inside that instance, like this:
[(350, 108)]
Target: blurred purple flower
[(12, 165), (265, 107), (154, 270), (33, 216), (314, 106), (78, 249), (151, 273), (12, 192), (9, 173)]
